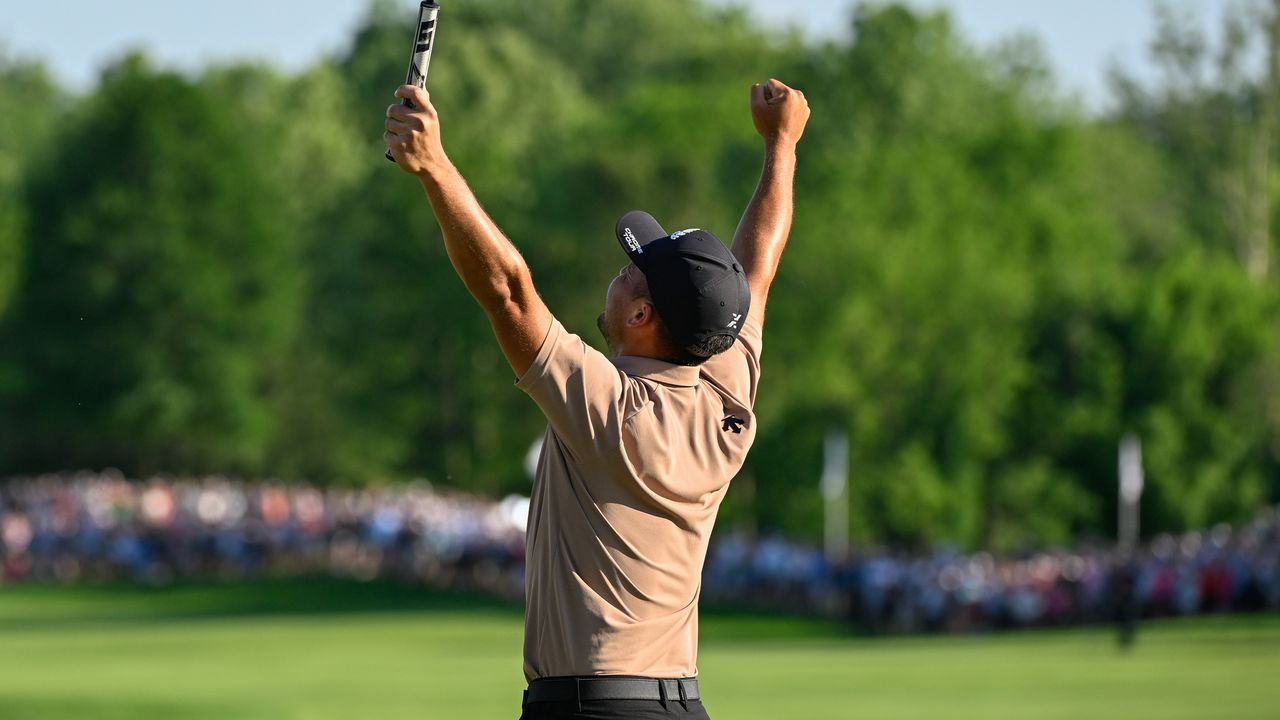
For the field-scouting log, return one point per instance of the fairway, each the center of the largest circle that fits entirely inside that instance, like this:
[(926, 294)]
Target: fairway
[(322, 649)]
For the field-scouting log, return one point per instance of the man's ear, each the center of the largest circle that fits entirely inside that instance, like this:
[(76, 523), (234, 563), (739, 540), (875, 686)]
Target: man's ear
[(641, 314)]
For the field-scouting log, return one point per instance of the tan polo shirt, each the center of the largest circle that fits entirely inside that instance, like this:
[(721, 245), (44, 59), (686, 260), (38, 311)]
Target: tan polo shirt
[(637, 456)]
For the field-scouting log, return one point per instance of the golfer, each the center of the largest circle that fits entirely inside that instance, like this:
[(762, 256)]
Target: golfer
[(641, 444)]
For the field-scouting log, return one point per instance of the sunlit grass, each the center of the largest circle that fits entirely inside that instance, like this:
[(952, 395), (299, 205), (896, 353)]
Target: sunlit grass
[(324, 649)]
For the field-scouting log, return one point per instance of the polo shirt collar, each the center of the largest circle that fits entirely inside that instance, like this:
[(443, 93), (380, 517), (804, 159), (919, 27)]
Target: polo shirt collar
[(658, 370)]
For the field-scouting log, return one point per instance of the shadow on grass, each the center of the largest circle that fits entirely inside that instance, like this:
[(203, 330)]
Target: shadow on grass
[(56, 708), (27, 605), (43, 606)]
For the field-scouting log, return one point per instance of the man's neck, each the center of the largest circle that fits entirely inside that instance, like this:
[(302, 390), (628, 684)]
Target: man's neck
[(638, 347)]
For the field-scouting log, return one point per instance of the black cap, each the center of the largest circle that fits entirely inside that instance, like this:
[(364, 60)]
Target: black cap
[(698, 287)]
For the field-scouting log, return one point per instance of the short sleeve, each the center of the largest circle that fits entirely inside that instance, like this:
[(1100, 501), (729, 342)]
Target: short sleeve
[(737, 370), (577, 388)]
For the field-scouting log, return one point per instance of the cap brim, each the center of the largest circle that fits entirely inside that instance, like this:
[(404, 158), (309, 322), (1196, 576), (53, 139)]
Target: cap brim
[(637, 229)]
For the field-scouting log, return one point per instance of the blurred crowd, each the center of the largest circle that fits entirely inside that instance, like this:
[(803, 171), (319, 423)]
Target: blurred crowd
[(1224, 569), (103, 527), (95, 527)]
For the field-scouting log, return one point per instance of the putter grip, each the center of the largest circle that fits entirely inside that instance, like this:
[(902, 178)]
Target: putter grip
[(420, 56)]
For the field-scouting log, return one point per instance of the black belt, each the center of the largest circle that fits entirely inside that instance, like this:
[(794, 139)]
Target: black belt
[(577, 689)]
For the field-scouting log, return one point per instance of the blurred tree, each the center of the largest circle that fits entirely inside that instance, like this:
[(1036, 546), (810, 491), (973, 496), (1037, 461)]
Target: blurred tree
[(1198, 335), (316, 156), (30, 98), (933, 184), (984, 288), (1212, 118), (159, 287)]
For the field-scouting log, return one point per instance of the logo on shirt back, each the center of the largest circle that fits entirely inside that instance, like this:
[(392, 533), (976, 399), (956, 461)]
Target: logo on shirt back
[(734, 423)]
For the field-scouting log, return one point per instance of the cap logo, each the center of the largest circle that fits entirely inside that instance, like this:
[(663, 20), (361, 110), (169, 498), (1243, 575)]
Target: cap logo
[(633, 245), (734, 322), (681, 233)]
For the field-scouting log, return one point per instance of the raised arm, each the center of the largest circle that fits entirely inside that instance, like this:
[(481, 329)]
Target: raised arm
[(780, 114), (490, 266)]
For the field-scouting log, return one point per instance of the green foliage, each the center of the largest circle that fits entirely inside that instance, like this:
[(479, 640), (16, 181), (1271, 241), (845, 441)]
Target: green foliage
[(1193, 377), (984, 288), (28, 98), (160, 286)]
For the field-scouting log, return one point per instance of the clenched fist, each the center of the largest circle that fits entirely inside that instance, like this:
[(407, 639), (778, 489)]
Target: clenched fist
[(779, 112), (413, 132)]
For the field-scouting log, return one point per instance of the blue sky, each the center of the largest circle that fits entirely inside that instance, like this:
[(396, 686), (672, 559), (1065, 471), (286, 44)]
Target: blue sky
[(76, 36)]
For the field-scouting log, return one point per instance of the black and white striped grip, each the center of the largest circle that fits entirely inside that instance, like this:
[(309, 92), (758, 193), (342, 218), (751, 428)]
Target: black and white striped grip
[(424, 37)]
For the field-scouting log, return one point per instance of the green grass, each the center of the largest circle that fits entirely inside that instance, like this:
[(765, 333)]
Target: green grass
[(319, 649)]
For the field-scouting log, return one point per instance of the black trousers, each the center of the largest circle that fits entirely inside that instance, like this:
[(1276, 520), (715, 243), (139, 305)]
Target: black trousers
[(614, 710)]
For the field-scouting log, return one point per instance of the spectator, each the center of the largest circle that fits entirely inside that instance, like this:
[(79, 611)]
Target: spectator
[(100, 526)]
